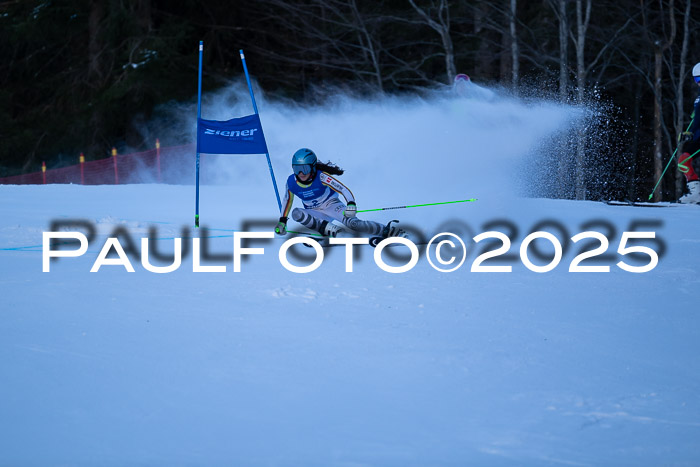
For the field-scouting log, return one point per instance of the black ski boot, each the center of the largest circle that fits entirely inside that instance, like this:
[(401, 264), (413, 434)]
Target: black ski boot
[(388, 231)]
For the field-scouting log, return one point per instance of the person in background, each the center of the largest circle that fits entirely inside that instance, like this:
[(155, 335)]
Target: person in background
[(690, 144)]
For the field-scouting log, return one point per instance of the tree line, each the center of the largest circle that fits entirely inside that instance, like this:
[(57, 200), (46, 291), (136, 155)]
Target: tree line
[(83, 75)]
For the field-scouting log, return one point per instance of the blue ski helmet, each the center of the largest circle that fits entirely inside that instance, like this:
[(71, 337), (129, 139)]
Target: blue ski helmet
[(304, 161)]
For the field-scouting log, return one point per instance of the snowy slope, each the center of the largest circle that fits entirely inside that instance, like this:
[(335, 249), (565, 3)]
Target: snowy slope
[(266, 366), (269, 367)]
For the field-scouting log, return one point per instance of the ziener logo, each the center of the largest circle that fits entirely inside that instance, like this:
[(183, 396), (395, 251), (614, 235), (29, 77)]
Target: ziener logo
[(230, 133)]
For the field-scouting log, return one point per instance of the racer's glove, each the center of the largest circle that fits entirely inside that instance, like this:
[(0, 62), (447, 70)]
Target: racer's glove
[(351, 209), (281, 228), (685, 136)]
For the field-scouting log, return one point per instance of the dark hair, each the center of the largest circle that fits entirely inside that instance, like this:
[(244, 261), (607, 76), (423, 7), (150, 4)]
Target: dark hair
[(330, 168)]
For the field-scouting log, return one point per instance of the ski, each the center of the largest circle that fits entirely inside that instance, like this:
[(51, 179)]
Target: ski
[(373, 241), (641, 204)]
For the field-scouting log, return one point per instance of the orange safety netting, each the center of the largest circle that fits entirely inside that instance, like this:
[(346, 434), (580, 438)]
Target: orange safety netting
[(173, 164)]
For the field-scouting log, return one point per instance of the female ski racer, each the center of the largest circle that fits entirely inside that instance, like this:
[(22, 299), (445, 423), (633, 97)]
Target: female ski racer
[(318, 190)]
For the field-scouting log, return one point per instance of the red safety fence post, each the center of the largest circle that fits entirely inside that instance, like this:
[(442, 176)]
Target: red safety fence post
[(82, 168), (158, 158), (116, 171), (43, 171)]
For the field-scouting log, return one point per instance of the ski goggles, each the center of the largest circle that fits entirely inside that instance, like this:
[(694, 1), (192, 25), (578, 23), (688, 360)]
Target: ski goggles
[(302, 168), (697, 79)]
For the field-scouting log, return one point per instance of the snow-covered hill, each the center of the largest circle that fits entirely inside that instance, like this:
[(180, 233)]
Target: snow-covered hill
[(269, 367)]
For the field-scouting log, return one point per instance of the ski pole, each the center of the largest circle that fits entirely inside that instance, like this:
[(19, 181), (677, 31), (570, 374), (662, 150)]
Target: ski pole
[(418, 205), (669, 163), (305, 233), (387, 209)]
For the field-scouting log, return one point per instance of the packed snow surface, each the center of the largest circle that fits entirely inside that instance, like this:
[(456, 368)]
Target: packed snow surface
[(270, 367)]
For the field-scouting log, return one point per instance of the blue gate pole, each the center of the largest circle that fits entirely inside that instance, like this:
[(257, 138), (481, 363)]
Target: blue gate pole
[(199, 117), (255, 107)]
